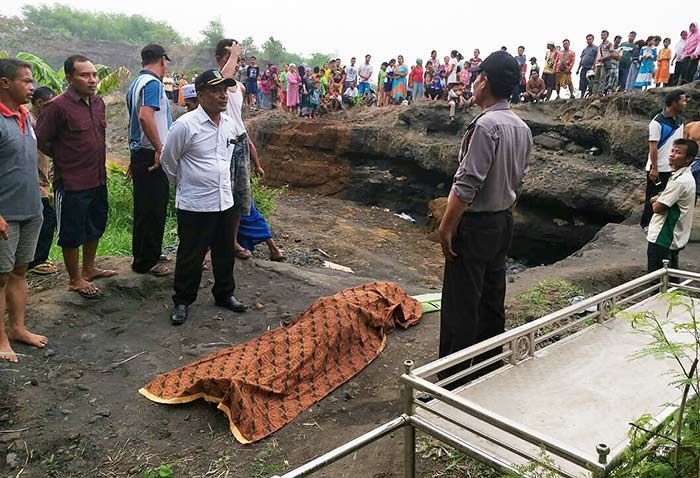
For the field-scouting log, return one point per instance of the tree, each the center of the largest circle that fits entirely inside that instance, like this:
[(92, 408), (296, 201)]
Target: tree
[(213, 32), (88, 25), (249, 47)]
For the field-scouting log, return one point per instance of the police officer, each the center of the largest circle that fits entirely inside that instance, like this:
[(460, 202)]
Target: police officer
[(477, 228)]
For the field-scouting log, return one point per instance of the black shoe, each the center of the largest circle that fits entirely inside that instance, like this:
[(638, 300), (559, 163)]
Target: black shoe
[(179, 315), (231, 303)]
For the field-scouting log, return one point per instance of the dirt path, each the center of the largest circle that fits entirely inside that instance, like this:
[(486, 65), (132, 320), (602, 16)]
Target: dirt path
[(77, 414)]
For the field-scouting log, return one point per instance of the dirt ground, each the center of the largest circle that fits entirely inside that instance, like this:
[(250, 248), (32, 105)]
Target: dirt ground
[(73, 409)]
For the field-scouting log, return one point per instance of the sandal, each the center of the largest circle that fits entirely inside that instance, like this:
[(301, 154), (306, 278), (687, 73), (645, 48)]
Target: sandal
[(159, 271), (44, 269), (243, 254), (86, 294), (279, 258)]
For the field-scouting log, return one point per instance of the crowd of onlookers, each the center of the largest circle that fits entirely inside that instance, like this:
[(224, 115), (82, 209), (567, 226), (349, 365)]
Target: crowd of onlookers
[(603, 68)]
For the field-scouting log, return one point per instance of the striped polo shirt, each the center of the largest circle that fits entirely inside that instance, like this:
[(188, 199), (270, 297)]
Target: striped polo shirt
[(671, 229)]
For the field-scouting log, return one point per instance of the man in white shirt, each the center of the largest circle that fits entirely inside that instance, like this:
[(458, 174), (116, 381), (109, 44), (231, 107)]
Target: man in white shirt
[(669, 230), (350, 94), (365, 72), (197, 159), (351, 72), (664, 129)]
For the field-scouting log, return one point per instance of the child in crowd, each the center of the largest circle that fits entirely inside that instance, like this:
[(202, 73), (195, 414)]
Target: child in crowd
[(316, 95), (454, 98), (669, 230), (435, 87), (381, 79)]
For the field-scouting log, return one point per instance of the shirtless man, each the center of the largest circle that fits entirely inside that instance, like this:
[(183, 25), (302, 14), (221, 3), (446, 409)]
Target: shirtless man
[(20, 203), (692, 131)]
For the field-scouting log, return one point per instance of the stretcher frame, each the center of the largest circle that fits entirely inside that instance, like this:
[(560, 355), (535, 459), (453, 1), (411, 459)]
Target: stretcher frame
[(517, 345)]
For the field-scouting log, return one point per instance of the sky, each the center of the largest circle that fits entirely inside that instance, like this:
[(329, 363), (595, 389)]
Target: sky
[(357, 27)]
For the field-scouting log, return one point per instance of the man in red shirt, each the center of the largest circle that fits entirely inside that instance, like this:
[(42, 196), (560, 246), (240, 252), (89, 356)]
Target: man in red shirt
[(20, 203), (72, 132)]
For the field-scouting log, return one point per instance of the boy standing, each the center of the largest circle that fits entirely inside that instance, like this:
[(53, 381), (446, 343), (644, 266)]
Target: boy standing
[(251, 85), (670, 226)]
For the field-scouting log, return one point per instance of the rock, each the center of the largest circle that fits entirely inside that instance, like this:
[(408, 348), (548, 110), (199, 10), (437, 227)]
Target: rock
[(104, 412), (552, 141), (12, 460), (34, 382), (4, 418), (6, 438), (93, 420), (82, 387), (87, 337), (695, 230), (49, 353), (574, 148), (66, 412)]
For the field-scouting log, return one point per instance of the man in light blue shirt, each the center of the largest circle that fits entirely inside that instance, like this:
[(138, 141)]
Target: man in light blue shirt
[(149, 121)]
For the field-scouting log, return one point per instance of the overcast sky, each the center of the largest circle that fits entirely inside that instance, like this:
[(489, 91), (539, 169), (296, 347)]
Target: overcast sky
[(356, 27)]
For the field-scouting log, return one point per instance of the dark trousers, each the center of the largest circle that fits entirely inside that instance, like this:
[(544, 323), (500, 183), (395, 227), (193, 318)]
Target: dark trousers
[(583, 81), (151, 193), (657, 254), (691, 67), (653, 189), (45, 235), (199, 231), (474, 285), (623, 73)]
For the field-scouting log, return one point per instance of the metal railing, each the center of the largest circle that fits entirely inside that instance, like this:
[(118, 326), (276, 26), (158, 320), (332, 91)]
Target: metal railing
[(515, 345)]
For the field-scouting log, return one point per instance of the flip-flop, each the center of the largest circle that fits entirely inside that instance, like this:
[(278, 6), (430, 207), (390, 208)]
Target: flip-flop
[(44, 269), (87, 295), (102, 274), (159, 271), (243, 255)]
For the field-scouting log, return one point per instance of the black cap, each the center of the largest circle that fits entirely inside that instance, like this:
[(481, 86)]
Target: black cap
[(152, 53), (502, 70), (212, 78)]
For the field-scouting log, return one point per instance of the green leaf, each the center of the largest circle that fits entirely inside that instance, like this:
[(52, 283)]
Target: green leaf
[(43, 73), (3, 54), (113, 81)]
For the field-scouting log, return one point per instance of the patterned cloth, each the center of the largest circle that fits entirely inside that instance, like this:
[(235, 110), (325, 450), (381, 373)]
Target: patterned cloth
[(240, 178), (265, 383)]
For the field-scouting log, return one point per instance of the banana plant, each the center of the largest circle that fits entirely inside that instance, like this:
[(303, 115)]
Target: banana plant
[(44, 75)]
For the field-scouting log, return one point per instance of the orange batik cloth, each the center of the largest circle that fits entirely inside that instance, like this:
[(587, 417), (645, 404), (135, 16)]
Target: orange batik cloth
[(265, 383)]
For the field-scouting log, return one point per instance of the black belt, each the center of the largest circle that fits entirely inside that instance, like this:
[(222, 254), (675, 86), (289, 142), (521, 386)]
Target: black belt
[(485, 213)]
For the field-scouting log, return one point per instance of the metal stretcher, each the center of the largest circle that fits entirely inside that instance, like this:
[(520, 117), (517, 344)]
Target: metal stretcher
[(567, 388)]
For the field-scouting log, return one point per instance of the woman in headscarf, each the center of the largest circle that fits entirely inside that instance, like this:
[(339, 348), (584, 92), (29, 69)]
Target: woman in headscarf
[(415, 81), (688, 65), (399, 90), (293, 81)]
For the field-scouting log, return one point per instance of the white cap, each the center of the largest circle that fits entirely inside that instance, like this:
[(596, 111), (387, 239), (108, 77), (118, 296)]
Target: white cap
[(188, 91)]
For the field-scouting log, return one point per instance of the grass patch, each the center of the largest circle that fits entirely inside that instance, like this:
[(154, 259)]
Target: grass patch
[(116, 240), (264, 197), (443, 461), (546, 297)]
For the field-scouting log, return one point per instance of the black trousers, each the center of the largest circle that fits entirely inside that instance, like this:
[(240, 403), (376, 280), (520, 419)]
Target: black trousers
[(151, 193), (691, 66), (657, 254), (199, 231), (45, 235), (652, 190), (474, 285)]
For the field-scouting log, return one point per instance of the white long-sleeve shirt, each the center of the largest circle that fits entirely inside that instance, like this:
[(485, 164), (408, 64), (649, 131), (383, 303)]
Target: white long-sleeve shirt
[(197, 159)]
